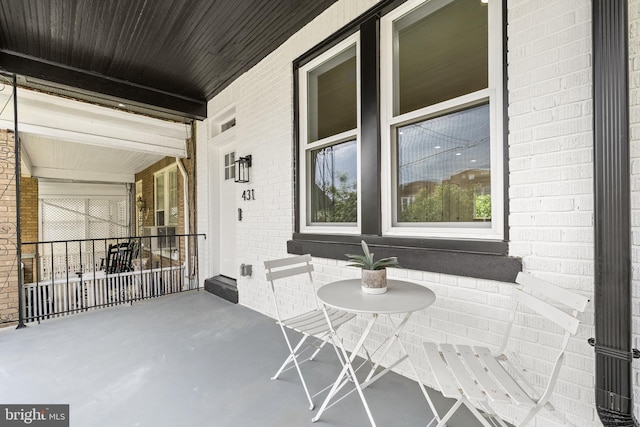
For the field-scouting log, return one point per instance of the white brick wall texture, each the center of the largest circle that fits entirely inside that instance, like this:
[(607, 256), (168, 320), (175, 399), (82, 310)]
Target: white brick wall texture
[(551, 175), (550, 193)]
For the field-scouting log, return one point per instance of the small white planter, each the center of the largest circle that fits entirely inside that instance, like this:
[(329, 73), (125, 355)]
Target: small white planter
[(374, 281)]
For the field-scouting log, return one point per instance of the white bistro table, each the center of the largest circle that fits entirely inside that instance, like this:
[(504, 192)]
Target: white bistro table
[(401, 298)]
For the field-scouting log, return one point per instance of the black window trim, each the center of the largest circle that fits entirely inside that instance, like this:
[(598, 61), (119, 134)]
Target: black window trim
[(485, 259)]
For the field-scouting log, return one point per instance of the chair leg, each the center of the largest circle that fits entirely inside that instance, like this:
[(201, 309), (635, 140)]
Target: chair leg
[(304, 384), (530, 416), (290, 357), (452, 410), (462, 401), (478, 415), (315, 353)]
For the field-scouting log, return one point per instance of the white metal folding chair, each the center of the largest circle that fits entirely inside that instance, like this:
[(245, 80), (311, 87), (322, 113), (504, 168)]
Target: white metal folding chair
[(476, 377), (310, 324)]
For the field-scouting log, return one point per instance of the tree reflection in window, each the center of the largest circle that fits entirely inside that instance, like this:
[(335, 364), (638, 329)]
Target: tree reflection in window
[(444, 168), (334, 185)]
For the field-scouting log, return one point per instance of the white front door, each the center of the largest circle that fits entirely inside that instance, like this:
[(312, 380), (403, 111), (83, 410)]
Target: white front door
[(228, 211)]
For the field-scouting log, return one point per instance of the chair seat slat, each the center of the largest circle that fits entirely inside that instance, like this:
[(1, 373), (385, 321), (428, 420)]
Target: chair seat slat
[(493, 390), (311, 317), (502, 376), (314, 322), (302, 318), (445, 380), (460, 373)]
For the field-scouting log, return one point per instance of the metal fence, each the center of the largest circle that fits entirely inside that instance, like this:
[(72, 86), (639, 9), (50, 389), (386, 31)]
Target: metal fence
[(69, 276)]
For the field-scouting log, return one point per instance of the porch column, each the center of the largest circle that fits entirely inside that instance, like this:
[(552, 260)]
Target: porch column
[(9, 262)]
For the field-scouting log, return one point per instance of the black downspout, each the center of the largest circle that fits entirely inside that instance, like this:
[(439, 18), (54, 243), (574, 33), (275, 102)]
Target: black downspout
[(612, 294)]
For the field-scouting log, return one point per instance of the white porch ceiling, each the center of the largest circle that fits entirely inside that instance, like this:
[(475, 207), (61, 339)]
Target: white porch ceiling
[(67, 139), (55, 158)]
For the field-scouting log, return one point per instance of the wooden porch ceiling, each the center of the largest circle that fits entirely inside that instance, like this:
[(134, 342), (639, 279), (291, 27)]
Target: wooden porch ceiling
[(170, 56)]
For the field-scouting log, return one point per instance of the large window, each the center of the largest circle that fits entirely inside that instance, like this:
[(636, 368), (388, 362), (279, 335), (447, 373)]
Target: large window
[(429, 163), (166, 196), (329, 140), (401, 139), (442, 146)]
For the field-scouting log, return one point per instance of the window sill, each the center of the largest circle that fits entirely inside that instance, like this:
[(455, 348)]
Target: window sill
[(468, 258)]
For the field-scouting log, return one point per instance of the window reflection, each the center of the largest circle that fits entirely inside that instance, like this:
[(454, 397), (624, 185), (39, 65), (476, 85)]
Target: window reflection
[(334, 184), (444, 169)]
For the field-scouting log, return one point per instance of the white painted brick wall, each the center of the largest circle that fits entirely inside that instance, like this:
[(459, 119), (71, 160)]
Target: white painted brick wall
[(551, 174), (634, 110), (264, 116), (551, 193)]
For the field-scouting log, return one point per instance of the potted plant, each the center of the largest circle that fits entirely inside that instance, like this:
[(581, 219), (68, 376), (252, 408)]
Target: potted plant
[(374, 273)]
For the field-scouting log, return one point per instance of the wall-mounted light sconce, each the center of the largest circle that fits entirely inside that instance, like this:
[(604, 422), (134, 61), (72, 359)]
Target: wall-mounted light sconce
[(143, 210), (140, 203), (242, 169)]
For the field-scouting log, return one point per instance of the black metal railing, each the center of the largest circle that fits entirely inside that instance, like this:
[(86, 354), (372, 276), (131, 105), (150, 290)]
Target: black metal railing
[(69, 276)]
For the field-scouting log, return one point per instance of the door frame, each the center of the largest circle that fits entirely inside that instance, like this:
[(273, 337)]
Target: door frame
[(214, 154)]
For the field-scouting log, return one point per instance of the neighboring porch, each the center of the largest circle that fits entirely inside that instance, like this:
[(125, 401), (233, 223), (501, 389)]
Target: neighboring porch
[(71, 276), (190, 359)]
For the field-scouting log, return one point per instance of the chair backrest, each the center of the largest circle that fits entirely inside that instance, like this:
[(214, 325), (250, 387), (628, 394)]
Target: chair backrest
[(119, 257), (560, 306), (287, 267), (576, 302), (134, 246), (550, 308)]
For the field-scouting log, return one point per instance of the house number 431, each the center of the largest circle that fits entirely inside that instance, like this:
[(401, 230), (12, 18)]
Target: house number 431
[(248, 195)]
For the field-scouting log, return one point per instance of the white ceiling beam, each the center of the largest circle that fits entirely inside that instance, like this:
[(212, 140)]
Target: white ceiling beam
[(82, 175), (62, 118), (29, 98), (100, 140)]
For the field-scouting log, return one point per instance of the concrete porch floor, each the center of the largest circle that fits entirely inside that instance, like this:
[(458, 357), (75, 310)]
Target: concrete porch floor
[(186, 360)]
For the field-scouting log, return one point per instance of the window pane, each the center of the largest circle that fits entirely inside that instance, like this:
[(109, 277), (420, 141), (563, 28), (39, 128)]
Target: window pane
[(440, 54), (334, 184), (229, 166), (173, 197), (160, 192), (444, 169), (159, 218), (332, 95)]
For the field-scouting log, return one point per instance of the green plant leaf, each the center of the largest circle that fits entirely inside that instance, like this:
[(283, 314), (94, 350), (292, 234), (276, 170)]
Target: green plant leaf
[(366, 261), (385, 262), (365, 250), (358, 258)]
